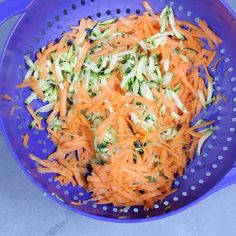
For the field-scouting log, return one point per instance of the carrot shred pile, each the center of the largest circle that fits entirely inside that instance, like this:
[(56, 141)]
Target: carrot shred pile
[(135, 132)]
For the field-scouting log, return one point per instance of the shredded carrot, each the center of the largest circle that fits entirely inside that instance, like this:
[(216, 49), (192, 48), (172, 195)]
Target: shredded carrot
[(201, 125), (148, 8), (121, 117), (55, 75), (53, 114), (26, 140), (209, 32), (7, 97), (85, 48), (218, 98), (35, 117), (34, 85), (217, 63), (209, 78)]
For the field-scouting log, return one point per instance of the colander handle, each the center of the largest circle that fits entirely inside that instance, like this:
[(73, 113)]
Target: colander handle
[(228, 180), (10, 8)]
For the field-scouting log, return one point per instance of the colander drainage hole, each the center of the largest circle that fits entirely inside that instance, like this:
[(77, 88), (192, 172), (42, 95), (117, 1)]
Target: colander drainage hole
[(189, 13), (126, 210), (185, 177), (42, 32), (58, 186), (200, 181), (233, 79), (118, 11), (199, 163), (229, 139), (227, 59), (205, 154), (176, 182), (45, 151), (193, 188), (214, 166), (73, 6), (114, 209), (82, 2), (197, 19), (50, 179), (17, 97), (208, 174), (176, 199), (128, 11), (180, 8), (166, 203), (40, 141), (222, 50), (210, 146), (225, 148), (18, 117), (57, 18), (50, 24), (20, 127), (65, 12), (135, 210), (218, 88), (57, 40)]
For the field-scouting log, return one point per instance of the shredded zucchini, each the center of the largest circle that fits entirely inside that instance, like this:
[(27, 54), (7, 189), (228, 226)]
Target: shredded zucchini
[(203, 139)]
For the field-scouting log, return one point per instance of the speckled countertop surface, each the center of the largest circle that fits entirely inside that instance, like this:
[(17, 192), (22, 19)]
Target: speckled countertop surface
[(24, 211)]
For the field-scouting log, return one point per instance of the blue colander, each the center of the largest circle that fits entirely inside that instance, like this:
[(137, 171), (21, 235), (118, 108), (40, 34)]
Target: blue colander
[(43, 21)]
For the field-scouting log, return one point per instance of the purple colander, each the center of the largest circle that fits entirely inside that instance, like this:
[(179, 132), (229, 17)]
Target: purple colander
[(43, 21)]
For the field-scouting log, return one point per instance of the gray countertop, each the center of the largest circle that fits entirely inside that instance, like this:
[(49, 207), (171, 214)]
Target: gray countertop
[(24, 211)]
